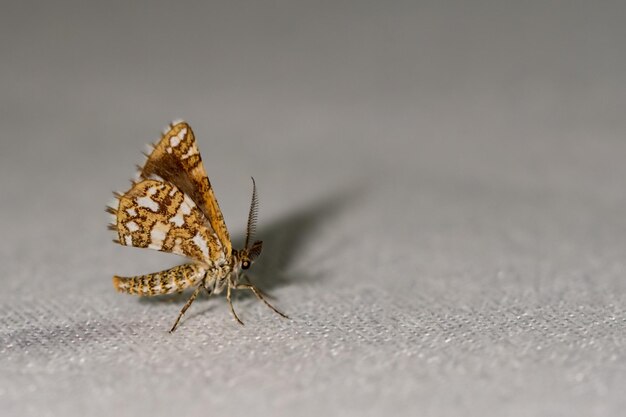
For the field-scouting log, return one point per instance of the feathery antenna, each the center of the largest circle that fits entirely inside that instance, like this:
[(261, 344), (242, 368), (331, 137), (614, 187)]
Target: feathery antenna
[(252, 216)]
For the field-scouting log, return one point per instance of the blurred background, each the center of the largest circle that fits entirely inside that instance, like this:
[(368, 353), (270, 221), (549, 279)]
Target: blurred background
[(442, 199)]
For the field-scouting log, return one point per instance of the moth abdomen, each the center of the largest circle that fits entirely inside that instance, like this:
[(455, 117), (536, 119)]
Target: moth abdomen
[(159, 283)]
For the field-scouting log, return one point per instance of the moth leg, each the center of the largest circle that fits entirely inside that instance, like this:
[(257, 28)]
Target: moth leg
[(230, 303), (263, 293), (259, 295), (185, 307)]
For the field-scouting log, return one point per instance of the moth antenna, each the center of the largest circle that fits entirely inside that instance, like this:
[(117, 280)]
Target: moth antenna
[(252, 215)]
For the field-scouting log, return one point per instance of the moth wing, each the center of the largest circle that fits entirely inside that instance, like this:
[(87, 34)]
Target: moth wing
[(176, 159), (157, 215)]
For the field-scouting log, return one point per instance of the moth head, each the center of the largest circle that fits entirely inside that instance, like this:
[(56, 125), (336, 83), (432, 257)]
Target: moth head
[(249, 255)]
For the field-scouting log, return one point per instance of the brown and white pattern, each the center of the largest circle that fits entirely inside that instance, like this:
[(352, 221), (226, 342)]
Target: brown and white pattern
[(165, 282), (176, 159), (157, 215), (171, 207)]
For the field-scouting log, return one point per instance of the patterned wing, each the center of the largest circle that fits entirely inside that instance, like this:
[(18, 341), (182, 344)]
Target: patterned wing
[(157, 215), (176, 159)]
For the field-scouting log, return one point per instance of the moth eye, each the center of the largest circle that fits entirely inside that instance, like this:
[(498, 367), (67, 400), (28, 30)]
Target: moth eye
[(245, 265)]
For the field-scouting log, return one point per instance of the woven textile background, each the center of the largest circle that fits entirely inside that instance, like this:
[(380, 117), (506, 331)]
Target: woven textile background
[(443, 199)]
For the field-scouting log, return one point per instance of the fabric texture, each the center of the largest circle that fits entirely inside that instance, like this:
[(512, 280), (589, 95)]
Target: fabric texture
[(442, 205)]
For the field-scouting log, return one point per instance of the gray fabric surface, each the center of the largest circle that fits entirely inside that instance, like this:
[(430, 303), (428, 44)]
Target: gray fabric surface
[(442, 204)]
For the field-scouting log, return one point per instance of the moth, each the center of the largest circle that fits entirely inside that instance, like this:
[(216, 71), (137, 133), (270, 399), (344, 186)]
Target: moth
[(171, 207)]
